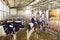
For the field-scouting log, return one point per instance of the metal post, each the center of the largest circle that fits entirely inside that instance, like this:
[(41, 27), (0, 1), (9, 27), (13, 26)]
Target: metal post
[(49, 7), (58, 27)]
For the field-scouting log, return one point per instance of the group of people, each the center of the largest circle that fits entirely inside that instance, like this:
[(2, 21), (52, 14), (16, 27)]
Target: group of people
[(39, 19)]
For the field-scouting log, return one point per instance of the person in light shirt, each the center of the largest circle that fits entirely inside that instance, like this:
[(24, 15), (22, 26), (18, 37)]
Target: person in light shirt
[(32, 17), (38, 20), (43, 15), (38, 17)]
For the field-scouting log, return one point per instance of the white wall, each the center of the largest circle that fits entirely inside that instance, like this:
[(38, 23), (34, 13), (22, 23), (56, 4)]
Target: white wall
[(13, 11), (25, 13)]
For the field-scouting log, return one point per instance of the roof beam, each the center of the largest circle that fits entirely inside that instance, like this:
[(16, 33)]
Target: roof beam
[(13, 7), (7, 2), (14, 3)]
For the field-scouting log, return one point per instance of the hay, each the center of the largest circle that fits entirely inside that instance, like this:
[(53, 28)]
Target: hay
[(21, 35)]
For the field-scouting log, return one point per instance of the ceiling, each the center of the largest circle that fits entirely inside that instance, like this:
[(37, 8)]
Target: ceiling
[(43, 4), (19, 3), (47, 4)]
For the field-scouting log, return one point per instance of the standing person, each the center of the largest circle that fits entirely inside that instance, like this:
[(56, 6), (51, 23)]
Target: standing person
[(43, 15), (38, 19), (32, 17)]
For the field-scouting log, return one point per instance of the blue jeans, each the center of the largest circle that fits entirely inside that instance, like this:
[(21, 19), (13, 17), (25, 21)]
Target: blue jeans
[(44, 23)]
